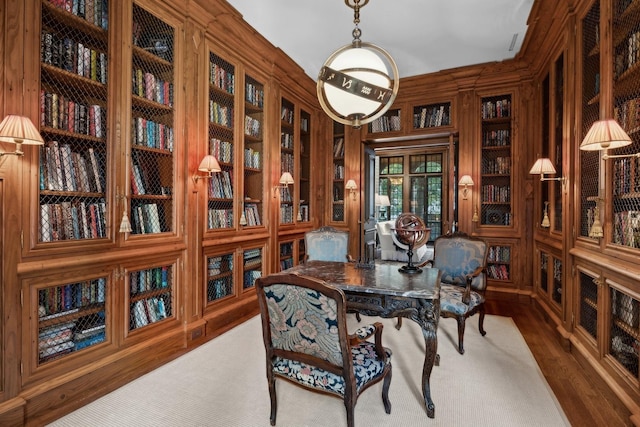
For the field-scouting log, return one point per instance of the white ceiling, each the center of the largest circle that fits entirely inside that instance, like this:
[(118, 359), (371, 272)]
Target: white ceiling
[(422, 36)]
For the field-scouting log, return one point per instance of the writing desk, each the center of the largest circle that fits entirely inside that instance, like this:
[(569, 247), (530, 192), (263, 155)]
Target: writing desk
[(385, 292)]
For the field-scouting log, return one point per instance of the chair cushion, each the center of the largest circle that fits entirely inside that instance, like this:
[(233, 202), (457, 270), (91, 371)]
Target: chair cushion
[(366, 366), (451, 299)]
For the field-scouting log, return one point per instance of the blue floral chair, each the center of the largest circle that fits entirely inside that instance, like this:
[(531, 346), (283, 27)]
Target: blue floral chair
[(327, 244), (462, 260), (306, 341)]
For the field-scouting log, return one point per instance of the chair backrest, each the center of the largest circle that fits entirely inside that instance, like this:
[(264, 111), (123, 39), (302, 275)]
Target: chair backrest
[(327, 244), (304, 319), (459, 254)]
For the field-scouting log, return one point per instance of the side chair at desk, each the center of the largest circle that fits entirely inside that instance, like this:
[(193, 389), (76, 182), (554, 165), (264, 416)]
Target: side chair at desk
[(385, 292)]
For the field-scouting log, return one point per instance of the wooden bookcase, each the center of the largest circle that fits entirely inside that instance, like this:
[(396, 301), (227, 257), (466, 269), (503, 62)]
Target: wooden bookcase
[(254, 150), (287, 159), (338, 174)]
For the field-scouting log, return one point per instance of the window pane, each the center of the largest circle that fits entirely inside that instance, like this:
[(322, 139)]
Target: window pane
[(394, 166), (434, 163), (418, 163), (434, 209), (395, 196), (417, 196)]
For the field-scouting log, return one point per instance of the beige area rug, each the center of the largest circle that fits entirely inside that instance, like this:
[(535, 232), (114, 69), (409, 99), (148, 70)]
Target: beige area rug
[(222, 383)]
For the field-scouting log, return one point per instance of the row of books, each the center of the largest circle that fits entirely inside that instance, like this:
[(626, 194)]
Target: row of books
[(220, 218), (287, 163), (626, 176), (94, 11), (499, 254), (431, 116), (286, 214), (286, 140), (219, 288), (498, 271), (338, 148), (303, 213), (220, 114), (286, 263), (252, 214), (150, 279), (496, 108), (73, 56), (72, 221), (221, 150), (219, 264), (625, 308), (628, 115), (496, 138), (148, 133), (220, 77), (252, 158), (147, 85), (59, 340), (338, 171), (250, 277), (252, 127), (287, 114), (62, 168), (304, 124), (285, 194), (626, 228), (56, 301), (387, 123), (286, 249), (145, 219), (150, 310), (254, 94), (500, 165), (252, 257), (496, 193), (60, 112), (221, 185), (627, 56)]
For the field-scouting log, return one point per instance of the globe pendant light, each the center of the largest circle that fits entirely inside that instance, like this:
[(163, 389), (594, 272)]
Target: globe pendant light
[(358, 82)]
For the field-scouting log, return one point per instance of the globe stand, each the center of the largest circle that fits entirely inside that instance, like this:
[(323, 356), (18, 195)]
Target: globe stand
[(410, 268)]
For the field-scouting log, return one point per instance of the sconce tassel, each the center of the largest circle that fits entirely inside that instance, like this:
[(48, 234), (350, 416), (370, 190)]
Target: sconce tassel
[(125, 224)]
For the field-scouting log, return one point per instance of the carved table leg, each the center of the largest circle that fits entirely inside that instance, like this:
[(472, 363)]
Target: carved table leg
[(427, 317)]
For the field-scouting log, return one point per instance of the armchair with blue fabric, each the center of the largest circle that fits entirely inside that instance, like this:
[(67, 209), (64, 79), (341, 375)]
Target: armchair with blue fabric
[(327, 244), (462, 259), (306, 341)]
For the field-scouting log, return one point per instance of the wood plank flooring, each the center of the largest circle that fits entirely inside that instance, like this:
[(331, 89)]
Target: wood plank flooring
[(585, 398)]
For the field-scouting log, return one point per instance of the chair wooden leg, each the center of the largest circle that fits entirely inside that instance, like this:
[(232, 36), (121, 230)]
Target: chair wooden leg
[(274, 401), (350, 416), (399, 324), (461, 321), (481, 321), (385, 392), (358, 316)]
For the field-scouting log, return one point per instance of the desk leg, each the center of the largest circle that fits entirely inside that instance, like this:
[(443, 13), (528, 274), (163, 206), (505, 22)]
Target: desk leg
[(427, 317)]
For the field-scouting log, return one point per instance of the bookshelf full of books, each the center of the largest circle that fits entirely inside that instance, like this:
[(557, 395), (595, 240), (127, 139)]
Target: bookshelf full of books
[(253, 213), (389, 122), (286, 255), (304, 183), (74, 88), (222, 89), (71, 317), (432, 115), (252, 267), (220, 283), (287, 159), (338, 173), (150, 297), (152, 162), (495, 172)]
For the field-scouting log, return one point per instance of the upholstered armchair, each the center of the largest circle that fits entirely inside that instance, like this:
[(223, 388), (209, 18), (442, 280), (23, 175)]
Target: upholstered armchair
[(327, 244), (462, 260), (305, 335)]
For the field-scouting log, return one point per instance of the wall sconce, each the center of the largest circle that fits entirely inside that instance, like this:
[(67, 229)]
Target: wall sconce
[(19, 130), (467, 182), (209, 164), (285, 180), (545, 218), (542, 167), (359, 81), (352, 187)]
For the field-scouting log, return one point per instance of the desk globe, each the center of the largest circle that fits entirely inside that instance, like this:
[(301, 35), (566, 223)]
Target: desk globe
[(411, 231)]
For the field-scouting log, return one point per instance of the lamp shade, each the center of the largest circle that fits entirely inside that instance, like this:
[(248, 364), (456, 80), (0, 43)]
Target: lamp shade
[(209, 164), (286, 178), (605, 134), (19, 130), (466, 181), (542, 166), (384, 200), (351, 185)]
